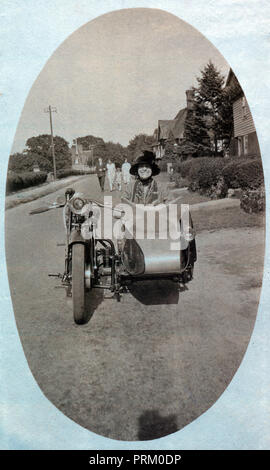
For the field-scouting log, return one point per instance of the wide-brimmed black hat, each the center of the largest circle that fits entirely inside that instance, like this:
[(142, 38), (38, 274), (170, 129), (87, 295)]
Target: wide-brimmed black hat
[(146, 157)]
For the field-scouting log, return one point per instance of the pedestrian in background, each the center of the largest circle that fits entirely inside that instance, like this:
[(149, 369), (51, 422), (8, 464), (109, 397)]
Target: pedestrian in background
[(111, 173), (101, 172), (118, 179), (125, 172)]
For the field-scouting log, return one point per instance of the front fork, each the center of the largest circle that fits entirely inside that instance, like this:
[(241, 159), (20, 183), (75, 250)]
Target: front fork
[(109, 261), (92, 269)]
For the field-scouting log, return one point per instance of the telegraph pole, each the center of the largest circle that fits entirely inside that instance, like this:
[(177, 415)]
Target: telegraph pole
[(50, 110)]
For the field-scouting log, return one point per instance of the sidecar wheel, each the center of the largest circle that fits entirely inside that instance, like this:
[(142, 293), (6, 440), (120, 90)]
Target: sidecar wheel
[(78, 283)]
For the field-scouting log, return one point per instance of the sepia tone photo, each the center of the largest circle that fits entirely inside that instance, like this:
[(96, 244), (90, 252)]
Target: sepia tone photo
[(136, 187)]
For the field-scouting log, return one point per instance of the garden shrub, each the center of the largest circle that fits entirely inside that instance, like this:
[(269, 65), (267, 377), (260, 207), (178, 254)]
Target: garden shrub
[(184, 167), (179, 181), (244, 174), (219, 190), (16, 182), (162, 164), (253, 200), (206, 172), (177, 166)]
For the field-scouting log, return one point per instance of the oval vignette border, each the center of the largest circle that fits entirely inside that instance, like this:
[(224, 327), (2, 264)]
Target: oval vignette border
[(174, 439)]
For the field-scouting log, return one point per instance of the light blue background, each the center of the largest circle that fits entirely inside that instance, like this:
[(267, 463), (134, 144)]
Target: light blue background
[(30, 31)]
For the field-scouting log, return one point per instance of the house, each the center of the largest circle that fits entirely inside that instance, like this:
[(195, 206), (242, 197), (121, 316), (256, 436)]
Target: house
[(172, 130), (162, 134), (244, 141)]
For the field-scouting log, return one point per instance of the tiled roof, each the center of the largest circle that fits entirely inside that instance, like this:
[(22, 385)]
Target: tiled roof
[(174, 127), (179, 127), (165, 128)]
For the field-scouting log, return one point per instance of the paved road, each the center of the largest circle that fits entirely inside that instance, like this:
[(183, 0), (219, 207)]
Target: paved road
[(147, 366)]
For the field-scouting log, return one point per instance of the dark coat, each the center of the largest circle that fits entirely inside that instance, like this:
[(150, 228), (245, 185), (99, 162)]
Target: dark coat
[(101, 169), (145, 193)]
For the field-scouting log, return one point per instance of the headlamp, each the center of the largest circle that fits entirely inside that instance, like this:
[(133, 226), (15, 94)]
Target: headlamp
[(78, 203)]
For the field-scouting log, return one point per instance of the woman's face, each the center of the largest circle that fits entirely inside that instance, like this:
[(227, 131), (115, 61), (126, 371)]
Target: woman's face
[(144, 171)]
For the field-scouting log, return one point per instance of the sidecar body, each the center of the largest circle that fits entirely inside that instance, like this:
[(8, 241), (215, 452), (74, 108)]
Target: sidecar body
[(156, 246)]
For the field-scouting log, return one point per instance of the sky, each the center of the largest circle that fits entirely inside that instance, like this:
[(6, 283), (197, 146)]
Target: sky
[(116, 76)]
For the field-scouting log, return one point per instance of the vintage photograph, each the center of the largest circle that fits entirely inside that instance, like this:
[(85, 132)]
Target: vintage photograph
[(135, 225)]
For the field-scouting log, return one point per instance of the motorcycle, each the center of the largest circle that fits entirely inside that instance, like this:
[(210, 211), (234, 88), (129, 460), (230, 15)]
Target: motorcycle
[(94, 261)]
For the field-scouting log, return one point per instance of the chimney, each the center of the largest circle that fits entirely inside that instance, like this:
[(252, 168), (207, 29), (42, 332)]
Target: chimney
[(190, 99)]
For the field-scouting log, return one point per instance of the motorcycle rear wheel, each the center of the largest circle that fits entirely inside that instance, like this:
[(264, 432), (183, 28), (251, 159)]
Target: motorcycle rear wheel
[(78, 283)]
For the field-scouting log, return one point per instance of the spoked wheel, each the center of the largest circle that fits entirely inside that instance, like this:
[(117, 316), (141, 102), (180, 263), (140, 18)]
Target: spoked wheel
[(78, 283)]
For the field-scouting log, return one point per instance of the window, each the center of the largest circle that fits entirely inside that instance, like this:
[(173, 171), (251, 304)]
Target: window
[(244, 107), (239, 146), (245, 144)]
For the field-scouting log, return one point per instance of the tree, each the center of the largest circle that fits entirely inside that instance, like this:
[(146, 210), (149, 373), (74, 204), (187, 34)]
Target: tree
[(40, 148), (139, 143), (196, 142), (97, 143), (115, 151), (209, 95), (89, 140), (210, 120)]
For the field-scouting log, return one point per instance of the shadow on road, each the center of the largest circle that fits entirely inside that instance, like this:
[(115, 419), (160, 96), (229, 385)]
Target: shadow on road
[(153, 426), (93, 299), (161, 292)]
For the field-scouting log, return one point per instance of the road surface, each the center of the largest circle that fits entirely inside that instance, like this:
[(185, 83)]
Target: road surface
[(149, 365)]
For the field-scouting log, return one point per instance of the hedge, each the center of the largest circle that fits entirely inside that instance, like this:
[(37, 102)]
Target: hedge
[(185, 167), (71, 172), (15, 181), (67, 172), (206, 172), (244, 174)]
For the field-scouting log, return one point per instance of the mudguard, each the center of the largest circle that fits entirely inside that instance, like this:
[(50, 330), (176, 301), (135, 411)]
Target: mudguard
[(76, 237)]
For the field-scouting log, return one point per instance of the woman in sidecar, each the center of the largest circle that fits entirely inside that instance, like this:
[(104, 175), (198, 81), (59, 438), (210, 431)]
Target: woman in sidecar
[(143, 257), (144, 189)]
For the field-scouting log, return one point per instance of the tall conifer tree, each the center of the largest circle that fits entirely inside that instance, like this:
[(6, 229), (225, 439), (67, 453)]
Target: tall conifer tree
[(209, 95), (210, 120)]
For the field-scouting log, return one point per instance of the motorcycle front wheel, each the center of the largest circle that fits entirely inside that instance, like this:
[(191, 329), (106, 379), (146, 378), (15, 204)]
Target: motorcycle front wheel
[(78, 283)]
